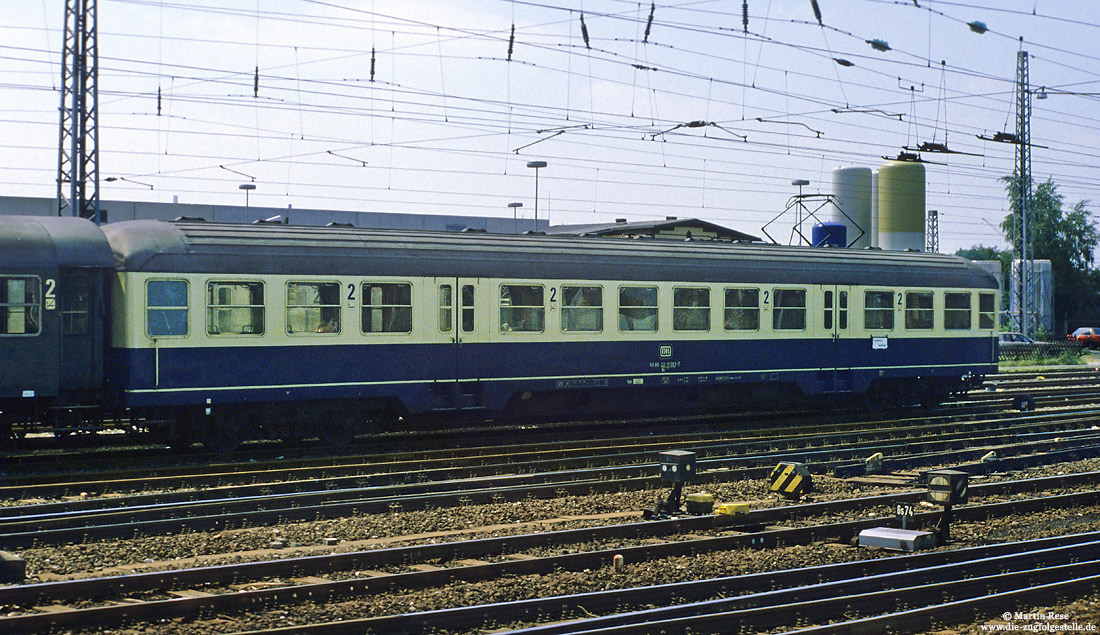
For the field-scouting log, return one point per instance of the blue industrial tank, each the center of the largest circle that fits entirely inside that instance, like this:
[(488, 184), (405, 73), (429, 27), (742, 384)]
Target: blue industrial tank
[(829, 235)]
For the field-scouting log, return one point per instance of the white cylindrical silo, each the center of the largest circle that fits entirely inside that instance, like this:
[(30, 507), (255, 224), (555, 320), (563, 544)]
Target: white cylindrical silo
[(852, 188), (901, 205)]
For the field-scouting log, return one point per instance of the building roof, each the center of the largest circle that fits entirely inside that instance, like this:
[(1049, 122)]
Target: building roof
[(671, 228)]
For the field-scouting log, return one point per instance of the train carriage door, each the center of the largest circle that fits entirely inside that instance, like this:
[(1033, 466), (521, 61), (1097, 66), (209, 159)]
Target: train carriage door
[(79, 305), (462, 319), (835, 374), (29, 351)]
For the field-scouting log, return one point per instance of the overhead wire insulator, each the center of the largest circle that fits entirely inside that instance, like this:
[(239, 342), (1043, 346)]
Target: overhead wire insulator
[(649, 22), (158, 101), (817, 12), (512, 42), (372, 63), (879, 45), (256, 83), (977, 27), (745, 15), (584, 33)]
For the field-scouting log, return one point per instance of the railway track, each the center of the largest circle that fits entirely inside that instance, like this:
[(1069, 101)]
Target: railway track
[(918, 593), (1019, 441), (532, 465), (30, 479), (242, 586), (40, 456)]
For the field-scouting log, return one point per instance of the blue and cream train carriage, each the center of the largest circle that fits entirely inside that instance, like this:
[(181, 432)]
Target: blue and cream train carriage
[(221, 331)]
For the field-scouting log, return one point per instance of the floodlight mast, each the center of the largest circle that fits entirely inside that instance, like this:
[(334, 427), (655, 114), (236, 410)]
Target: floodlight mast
[(537, 165), (515, 216)]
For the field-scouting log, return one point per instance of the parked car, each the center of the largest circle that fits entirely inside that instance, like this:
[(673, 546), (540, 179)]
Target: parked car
[(1086, 335), (1019, 346)]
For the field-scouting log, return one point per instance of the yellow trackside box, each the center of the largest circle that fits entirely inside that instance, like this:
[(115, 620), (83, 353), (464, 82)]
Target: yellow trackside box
[(699, 504), (732, 509), (790, 479)]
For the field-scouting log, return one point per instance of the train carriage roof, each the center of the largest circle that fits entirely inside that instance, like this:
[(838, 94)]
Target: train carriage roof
[(29, 243), (220, 248)]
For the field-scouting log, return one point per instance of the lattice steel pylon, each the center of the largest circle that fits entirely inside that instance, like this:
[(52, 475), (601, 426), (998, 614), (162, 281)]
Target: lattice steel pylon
[(78, 147), (1024, 318), (932, 232)]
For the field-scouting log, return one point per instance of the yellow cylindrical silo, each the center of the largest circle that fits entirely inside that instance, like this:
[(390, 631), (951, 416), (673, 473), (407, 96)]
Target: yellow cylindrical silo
[(901, 205)]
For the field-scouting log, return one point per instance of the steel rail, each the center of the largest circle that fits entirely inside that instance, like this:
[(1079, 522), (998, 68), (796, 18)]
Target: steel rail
[(691, 603), (486, 466), (854, 597), (773, 597), (496, 546), (54, 485), (28, 594), (914, 620), (451, 439), (22, 531)]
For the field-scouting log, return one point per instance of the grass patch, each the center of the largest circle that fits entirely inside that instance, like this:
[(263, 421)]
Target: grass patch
[(1066, 358)]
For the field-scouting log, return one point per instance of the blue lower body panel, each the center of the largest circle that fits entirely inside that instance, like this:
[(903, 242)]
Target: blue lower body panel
[(431, 377)]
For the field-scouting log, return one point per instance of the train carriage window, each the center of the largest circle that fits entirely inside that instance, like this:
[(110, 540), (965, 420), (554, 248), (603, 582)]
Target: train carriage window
[(313, 307), (467, 308), (789, 309), (235, 308), (842, 310), (20, 306), (522, 307), (878, 310), (76, 306), (583, 309), (828, 311), (691, 309), (446, 307), (387, 307), (956, 311), (919, 314), (638, 308), (987, 310), (742, 310), (166, 308)]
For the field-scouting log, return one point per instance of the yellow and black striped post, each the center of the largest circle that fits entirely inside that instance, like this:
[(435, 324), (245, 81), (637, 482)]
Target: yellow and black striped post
[(790, 479)]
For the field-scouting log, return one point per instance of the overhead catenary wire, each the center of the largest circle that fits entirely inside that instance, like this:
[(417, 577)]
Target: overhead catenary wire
[(412, 104)]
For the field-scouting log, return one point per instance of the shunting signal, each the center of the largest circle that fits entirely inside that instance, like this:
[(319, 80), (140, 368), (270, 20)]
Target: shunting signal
[(791, 480)]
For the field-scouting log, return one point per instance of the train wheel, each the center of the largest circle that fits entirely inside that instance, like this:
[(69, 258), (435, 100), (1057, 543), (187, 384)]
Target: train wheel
[(878, 397), (336, 429), (929, 394), (69, 426), (7, 435), (292, 435), (222, 434)]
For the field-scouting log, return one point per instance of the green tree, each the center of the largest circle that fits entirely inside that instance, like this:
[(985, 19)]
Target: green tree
[(1066, 239), (981, 252)]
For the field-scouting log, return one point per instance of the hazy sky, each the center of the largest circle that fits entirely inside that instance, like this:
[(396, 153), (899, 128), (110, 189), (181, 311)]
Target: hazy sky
[(414, 105)]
